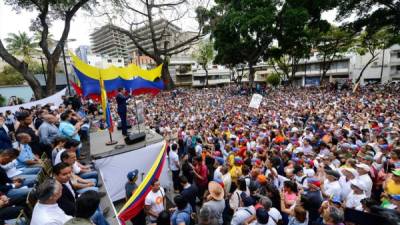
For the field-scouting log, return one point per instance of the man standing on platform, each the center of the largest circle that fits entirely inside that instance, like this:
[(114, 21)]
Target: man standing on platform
[(121, 101)]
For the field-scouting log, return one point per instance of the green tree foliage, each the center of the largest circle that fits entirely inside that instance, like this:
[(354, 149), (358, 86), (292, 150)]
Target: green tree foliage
[(21, 44), (2, 100), (204, 55), (371, 43), (331, 45), (10, 76), (46, 11), (243, 31), (274, 79), (372, 15)]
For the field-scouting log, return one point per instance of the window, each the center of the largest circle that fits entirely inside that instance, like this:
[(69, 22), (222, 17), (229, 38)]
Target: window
[(119, 60), (398, 68), (109, 60), (398, 54)]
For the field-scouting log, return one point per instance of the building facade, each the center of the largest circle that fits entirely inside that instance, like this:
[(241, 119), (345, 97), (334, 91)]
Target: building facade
[(82, 52), (109, 43)]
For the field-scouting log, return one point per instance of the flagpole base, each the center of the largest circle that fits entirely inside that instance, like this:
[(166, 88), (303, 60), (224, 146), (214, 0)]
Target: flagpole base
[(113, 142)]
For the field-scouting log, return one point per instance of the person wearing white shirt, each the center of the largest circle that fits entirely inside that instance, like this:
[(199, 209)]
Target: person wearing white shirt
[(331, 186), (353, 200), (349, 174), (363, 170), (245, 212), (154, 202), (174, 166), (46, 210), (226, 178), (274, 215)]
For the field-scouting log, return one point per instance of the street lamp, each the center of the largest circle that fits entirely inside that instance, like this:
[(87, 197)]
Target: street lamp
[(65, 65)]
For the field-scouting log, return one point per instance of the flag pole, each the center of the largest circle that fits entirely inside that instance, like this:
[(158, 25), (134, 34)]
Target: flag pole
[(104, 92)]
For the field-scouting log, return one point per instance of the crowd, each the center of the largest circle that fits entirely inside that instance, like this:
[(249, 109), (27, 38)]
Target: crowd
[(44, 175), (305, 156)]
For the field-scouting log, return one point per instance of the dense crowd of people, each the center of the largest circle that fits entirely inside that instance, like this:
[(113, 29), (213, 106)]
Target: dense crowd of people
[(312, 156), (305, 156)]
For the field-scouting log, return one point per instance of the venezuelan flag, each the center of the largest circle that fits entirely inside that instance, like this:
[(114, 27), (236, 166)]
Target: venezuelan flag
[(106, 107), (131, 78), (136, 203)]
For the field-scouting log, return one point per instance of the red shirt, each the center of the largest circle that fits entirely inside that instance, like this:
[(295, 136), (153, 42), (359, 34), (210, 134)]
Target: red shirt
[(202, 171)]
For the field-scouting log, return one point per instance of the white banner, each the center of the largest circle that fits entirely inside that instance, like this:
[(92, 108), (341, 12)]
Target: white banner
[(53, 99), (255, 101), (140, 111), (115, 168)]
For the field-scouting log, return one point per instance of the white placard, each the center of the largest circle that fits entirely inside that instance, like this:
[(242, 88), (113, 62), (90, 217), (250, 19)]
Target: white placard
[(255, 101)]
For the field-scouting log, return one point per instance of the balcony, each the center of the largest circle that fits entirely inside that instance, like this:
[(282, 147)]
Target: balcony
[(200, 83), (318, 72)]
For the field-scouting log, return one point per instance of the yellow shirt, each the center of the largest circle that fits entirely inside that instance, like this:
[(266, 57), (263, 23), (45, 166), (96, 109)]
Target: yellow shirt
[(392, 188), (235, 172)]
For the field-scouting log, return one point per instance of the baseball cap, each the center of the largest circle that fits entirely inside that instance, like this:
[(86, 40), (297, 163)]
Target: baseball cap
[(132, 174), (396, 172), (262, 216), (314, 181), (395, 197), (363, 166), (261, 179), (333, 173), (247, 200), (358, 184)]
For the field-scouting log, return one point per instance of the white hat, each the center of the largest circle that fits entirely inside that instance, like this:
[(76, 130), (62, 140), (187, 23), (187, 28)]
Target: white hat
[(351, 170), (294, 129), (358, 184), (363, 166)]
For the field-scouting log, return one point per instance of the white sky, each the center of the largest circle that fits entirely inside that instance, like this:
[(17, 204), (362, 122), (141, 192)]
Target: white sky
[(81, 27)]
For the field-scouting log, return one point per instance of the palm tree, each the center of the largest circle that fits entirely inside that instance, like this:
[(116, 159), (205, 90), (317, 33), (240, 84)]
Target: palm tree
[(22, 45)]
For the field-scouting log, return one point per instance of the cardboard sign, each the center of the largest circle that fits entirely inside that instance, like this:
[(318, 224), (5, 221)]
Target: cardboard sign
[(255, 101)]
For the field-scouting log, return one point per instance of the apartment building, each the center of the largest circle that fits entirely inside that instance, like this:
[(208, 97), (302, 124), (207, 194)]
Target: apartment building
[(108, 42)]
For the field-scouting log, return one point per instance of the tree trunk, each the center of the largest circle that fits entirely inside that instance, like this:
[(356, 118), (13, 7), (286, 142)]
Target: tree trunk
[(51, 78), (23, 68), (251, 76), (166, 76), (205, 69), (365, 67), (33, 83), (383, 61)]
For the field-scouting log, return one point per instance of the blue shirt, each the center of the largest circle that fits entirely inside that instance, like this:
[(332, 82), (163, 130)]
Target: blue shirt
[(67, 129), (180, 216), (25, 154)]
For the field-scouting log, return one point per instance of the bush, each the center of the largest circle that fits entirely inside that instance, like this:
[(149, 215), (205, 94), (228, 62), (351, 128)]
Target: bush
[(2, 100), (10, 76), (274, 79)]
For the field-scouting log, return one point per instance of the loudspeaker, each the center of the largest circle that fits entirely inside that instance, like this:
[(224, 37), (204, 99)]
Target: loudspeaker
[(135, 138)]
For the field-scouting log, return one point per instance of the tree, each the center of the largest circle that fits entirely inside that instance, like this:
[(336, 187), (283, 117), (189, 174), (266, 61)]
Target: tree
[(156, 15), (293, 36), (204, 55), (48, 10), (331, 45), (21, 45), (243, 31), (10, 76), (372, 15), (371, 43), (274, 79)]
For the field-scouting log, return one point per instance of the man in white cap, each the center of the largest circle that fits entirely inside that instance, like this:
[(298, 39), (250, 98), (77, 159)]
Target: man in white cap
[(363, 170), (357, 194), (349, 174)]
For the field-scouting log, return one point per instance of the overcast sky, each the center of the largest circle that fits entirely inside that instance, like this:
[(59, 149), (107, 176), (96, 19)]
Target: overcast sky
[(81, 27)]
